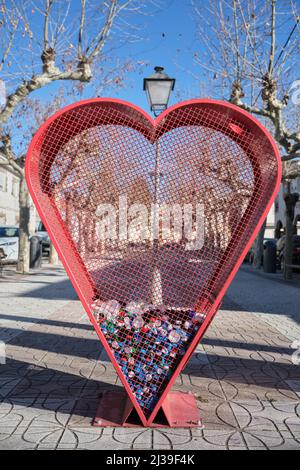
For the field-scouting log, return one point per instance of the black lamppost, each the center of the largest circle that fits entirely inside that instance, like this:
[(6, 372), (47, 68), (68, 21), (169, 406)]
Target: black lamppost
[(158, 89)]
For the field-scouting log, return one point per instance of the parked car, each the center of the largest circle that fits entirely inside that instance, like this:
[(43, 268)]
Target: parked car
[(43, 235), (280, 246), (9, 241)]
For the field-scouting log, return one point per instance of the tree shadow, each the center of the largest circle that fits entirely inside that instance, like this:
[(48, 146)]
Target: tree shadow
[(51, 385), (46, 388), (56, 343), (45, 321), (241, 371), (61, 290)]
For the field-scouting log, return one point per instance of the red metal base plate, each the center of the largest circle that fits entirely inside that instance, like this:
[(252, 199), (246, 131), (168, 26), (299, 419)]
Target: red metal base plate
[(179, 410)]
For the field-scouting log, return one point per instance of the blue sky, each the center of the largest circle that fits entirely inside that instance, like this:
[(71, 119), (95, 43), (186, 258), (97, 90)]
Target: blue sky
[(168, 38), (171, 36)]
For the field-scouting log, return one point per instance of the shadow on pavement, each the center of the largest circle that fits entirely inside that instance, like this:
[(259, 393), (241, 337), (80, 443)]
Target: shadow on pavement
[(61, 290), (59, 344), (89, 347), (40, 382), (268, 348), (62, 392), (45, 388), (45, 321)]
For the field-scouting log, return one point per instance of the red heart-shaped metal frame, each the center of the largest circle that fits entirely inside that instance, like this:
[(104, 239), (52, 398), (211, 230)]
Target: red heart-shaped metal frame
[(227, 120)]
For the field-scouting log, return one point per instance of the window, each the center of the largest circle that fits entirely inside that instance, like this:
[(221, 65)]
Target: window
[(3, 181), (15, 187), (8, 232), (41, 227)]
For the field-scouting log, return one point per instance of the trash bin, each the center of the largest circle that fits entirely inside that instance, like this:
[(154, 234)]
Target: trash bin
[(269, 259), (35, 253)]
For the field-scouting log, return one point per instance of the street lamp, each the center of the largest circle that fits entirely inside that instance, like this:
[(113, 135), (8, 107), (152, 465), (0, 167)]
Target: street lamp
[(158, 89)]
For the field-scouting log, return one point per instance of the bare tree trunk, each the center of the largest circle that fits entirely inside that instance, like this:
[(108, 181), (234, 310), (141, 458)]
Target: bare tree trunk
[(53, 255), (24, 216), (259, 246), (290, 200)]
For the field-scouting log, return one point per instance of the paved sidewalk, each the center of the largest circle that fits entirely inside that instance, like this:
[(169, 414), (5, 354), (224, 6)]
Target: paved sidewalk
[(247, 387)]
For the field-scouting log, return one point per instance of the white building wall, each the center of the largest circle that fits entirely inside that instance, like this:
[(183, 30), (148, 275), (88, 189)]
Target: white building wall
[(270, 227), (9, 204), (9, 201)]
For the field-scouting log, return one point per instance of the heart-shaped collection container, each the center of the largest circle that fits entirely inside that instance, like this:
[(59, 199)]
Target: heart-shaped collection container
[(152, 219)]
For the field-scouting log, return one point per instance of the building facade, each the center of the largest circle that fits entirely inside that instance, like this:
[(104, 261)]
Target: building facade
[(271, 224), (9, 196), (9, 199), (280, 207)]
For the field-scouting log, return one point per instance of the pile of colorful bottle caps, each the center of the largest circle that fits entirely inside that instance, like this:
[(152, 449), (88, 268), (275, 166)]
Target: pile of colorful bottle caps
[(148, 343)]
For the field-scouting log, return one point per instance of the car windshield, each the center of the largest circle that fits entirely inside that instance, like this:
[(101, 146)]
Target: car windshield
[(41, 227), (9, 232)]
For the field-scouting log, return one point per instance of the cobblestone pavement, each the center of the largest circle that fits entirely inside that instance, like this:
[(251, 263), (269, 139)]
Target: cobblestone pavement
[(247, 387)]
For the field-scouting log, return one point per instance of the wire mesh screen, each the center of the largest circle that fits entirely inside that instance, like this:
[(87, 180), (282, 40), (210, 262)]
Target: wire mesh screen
[(151, 220)]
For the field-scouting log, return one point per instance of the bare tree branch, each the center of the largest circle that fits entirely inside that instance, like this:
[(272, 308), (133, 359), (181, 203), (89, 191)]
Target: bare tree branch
[(227, 47), (100, 39), (57, 45), (8, 154), (80, 33), (9, 45), (46, 24), (236, 41), (290, 156), (254, 110), (80, 71), (269, 103), (273, 40)]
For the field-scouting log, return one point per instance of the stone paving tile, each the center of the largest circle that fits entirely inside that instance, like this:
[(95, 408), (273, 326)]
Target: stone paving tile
[(246, 386), (294, 386)]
